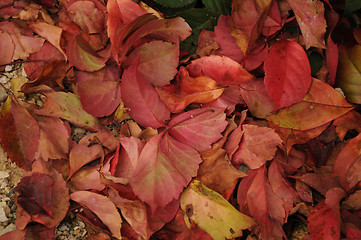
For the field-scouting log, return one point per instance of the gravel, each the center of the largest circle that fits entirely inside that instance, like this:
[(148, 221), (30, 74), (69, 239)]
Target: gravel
[(70, 228)]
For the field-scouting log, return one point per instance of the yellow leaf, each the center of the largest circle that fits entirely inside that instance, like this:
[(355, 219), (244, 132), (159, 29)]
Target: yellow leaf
[(211, 212)]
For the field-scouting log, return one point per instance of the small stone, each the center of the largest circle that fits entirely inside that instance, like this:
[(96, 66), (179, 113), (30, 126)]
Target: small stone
[(3, 217), (4, 174), (3, 94), (8, 68), (9, 228), (63, 228)]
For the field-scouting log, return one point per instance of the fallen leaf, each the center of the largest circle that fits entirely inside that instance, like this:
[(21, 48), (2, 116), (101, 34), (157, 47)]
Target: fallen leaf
[(321, 105), (141, 98), (211, 212), (310, 18), (7, 48), (19, 134), (99, 91), (248, 18), (347, 122), (258, 145), (67, 106), (198, 128), (320, 183), (287, 73), (103, 207), (165, 165), (353, 202), (158, 61)]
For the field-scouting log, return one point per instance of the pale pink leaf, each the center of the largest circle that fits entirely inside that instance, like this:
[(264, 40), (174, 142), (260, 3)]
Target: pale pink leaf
[(199, 128), (142, 99), (99, 91), (258, 145), (158, 61), (103, 207), (310, 18), (165, 165)]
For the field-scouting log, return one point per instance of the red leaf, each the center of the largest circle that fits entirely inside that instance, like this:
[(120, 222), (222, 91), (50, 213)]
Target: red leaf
[(258, 145), (248, 18), (171, 30), (348, 162), (128, 156), (274, 21), (121, 12), (87, 16), (158, 61), (255, 96), (49, 32), (35, 194), (54, 138), (141, 98), (14, 235), (321, 183), (347, 122), (321, 105), (87, 178), (165, 165), (227, 43), (52, 194), (83, 56), (81, 155), (103, 207), (19, 134), (7, 48), (323, 223), (99, 91), (24, 45), (199, 128), (222, 69), (37, 60), (255, 192), (313, 28), (287, 73)]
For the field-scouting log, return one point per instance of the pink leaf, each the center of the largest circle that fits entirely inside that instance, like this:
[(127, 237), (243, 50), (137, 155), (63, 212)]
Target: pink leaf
[(171, 30), (141, 98), (310, 18), (199, 128), (222, 69), (87, 16), (165, 165), (103, 207), (54, 138), (83, 56), (158, 61), (128, 157), (7, 48), (24, 44), (46, 54), (255, 96), (225, 40), (99, 91), (81, 155), (255, 192), (287, 73), (321, 183), (121, 12), (258, 145), (49, 32), (348, 159), (19, 134), (87, 178)]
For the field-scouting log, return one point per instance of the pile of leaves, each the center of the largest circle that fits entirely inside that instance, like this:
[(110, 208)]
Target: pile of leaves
[(204, 119)]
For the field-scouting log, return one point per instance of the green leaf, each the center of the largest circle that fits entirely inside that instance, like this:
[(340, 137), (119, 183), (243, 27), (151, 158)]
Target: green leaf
[(198, 19), (175, 3), (218, 7), (352, 6)]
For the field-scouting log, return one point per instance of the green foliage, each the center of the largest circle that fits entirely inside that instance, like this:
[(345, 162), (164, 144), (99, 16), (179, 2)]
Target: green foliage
[(352, 6), (316, 62), (218, 7), (198, 19)]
